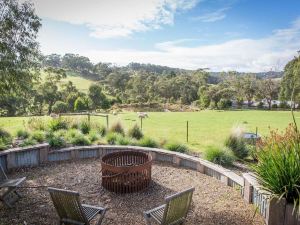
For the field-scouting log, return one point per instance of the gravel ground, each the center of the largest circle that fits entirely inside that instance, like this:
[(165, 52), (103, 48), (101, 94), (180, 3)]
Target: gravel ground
[(213, 203)]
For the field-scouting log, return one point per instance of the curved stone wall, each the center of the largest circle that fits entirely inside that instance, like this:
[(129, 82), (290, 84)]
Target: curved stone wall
[(40, 154)]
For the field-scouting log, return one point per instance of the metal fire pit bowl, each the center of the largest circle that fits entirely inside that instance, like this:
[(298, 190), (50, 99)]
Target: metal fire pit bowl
[(126, 171)]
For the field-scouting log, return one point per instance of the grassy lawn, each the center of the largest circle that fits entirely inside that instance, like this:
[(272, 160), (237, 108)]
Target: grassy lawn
[(79, 82), (205, 127)]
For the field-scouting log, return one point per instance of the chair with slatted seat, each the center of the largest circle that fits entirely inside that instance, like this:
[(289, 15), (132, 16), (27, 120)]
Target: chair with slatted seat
[(71, 211), (174, 211), (8, 188)]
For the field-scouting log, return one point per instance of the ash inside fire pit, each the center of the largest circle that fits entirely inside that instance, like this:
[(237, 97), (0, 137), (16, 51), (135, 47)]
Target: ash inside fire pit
[(126, 171)]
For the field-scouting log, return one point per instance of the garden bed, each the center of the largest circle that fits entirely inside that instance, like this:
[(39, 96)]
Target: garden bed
[(213, 203)]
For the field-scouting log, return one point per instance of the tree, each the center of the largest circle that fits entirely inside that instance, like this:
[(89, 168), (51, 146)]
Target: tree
[(291, 81), (249, 84), (50, 90), (53, 60), (60, 107), (19, 54), (81, 104), (268, 89), (98, 99)]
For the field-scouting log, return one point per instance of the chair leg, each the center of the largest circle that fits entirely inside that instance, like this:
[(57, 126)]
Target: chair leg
[(147, 218), (18, 194), (101, 217)]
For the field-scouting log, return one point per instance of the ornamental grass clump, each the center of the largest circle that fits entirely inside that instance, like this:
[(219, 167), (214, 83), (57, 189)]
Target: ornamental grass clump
[(22, 134), (85, 126), (236, 143), (58, 124), (278, 166), (135, 132), (219, 155), (117, 128), (176, 147), (5, 139), (148, 142)]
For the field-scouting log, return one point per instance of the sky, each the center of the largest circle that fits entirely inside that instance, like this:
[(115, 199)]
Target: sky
[(222, 35)]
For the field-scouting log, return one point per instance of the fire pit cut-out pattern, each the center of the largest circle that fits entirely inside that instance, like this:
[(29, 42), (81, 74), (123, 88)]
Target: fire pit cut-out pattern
[(126, 171)]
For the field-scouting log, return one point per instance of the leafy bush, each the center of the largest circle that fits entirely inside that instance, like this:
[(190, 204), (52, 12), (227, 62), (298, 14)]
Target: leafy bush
[(85, 126), (274, 106), (56, 139), (60, 107), (81, 104), (283, 105), (5, 139), (148, 142), (35, 123), (111, 138), (22, 134), (224, 104), (58, 124), (121, 140), (101, 130), (278, 167), (221, 156), (117, 128), (176, 147), (28, 142), (238, 146), (38, 136), (135, 132), (80, 139), (260, 105), (93, 136), (71, 133)]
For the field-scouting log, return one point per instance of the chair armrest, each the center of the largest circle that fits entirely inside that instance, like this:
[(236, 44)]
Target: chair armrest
[(94, 207)]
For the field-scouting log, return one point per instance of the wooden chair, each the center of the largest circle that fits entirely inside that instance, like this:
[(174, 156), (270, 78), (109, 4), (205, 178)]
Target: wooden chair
[(174, 211), (71, 211), (8, 188)]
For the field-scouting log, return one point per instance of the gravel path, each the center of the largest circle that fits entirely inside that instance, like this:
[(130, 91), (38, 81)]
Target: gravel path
[(213, 202)]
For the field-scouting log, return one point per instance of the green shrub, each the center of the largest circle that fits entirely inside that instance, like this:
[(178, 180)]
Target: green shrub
[(111, 138), (60, 107), (238, 146), (38, 136), (221, 156), (121, 140), (147, 142), (260, 105), (56, 139), (224, 104), (5, 139), (85, 126), (58, 124), (117, 128), (80, 139), (81, 104), (176, 147), (93, 136), (101, 130), (71, 133), (35, 123), (22, 134), (274, 106), (28, 142), (278, 167), (135, 132)]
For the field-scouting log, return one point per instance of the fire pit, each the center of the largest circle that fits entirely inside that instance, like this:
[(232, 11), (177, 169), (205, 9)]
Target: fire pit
[(126, 171)]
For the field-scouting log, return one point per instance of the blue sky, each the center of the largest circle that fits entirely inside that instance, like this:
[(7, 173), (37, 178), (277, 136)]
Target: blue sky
[(243, 35)]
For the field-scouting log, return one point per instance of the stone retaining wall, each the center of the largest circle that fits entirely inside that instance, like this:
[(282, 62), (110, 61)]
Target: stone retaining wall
[(247, 185)]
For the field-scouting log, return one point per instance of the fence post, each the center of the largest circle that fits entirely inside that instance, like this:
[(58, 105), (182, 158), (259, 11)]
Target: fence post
[(107, 121), (141, 123), (89, 117), (187, 131)]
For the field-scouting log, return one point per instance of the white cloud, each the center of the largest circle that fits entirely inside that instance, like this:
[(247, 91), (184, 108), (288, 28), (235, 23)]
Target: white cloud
[(217, 15), (253, 55), (114, 18)]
